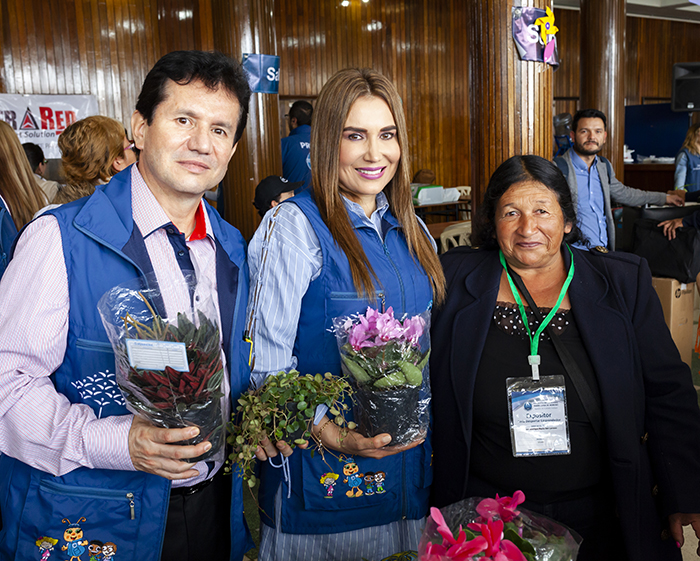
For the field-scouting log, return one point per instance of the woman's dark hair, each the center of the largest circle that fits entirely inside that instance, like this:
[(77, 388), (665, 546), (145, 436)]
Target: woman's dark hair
[(515, 170), (212, 68)]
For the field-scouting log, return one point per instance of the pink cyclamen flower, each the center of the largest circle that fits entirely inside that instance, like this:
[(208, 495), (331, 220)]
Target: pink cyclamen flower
[(457, 549), (467, 550), (359, 337), (504, 507), (413, 328), (497, 548), (443, 529)]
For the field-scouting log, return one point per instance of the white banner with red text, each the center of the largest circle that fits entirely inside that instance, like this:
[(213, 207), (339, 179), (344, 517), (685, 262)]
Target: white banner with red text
[(41, 118)]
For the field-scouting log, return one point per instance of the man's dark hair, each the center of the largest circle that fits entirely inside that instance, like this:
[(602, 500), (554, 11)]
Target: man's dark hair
[(212, 68), (515, 170), (588, 114), (301, 111), (34, 153)]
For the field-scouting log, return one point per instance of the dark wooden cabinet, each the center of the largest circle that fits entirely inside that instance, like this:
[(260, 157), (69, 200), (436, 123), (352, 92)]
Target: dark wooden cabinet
[(650, 177)]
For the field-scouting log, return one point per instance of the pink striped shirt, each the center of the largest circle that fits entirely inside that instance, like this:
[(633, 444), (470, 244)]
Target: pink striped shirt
[(38, 425)]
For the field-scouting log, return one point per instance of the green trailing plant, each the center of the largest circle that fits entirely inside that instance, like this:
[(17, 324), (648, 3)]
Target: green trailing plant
[(283, 409)]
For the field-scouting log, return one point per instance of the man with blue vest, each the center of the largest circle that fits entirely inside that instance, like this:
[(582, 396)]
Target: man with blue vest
[(296, 159), (593, 183), (76, 466)]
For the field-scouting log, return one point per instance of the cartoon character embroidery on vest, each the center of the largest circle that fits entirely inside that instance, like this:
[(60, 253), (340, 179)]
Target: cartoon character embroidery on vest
[(353, 479), (379, 479), (45, 545), (329, 480), (95, 550), (73, 536), (109, 550), (369, 483)]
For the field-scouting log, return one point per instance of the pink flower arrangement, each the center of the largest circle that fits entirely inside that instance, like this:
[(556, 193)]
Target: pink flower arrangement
[(386, 360), (375, 329), (381, 351), (490, 542), (496, 530)]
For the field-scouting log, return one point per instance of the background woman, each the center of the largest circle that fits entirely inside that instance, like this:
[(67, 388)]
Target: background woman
[(687, 174), (18, 189), (92, 150), (20, 196), (355, 241), (633, 419)]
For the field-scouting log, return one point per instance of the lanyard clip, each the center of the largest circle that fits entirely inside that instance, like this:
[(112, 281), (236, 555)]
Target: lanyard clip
[(534, 361)]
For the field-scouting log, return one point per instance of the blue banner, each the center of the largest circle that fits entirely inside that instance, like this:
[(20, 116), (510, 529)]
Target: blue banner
[(263, 72), (534, 34)]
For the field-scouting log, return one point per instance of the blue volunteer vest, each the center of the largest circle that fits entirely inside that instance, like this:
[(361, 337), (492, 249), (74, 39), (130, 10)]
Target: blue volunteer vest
[(8, 233), (127, 508), (393, 488), (692, 174)]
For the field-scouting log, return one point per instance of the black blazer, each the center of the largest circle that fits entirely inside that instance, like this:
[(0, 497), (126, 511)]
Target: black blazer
[(650, 408)]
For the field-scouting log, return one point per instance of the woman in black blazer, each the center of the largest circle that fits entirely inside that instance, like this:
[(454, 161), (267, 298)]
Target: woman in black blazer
[(624, 469)]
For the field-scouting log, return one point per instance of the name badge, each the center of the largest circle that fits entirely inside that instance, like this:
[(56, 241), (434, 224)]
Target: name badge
[(539, 424)]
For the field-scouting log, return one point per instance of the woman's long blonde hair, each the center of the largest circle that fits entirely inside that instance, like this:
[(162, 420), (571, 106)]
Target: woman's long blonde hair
[(17, 183), (88, 149), (691, 143), (331, 112)]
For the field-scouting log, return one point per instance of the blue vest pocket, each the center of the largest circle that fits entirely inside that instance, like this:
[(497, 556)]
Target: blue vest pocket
[(76, 521)]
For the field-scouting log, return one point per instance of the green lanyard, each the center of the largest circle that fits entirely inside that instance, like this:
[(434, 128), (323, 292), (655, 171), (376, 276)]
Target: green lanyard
[(534, 359)]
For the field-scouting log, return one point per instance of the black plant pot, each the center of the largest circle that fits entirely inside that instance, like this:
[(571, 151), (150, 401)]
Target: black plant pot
[(393, 411), (210, 422)]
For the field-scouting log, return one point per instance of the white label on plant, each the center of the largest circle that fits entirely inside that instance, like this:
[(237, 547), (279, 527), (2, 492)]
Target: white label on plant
[(156, 355)]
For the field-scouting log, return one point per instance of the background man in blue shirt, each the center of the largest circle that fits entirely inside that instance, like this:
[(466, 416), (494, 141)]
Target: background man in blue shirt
[(593, 186), (296, 162)]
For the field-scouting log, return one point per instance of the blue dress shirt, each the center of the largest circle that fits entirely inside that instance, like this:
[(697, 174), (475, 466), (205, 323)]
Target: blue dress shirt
[(591, 203)]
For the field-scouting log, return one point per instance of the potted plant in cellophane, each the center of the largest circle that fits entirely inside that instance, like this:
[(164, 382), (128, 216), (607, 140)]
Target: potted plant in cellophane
[(386, 359), (167, 346)]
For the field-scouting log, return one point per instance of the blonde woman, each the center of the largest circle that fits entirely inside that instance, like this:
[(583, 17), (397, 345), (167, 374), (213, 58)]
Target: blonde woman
[(20, 196), (352, 241), (687, 174), (92, 150), (18, 189)]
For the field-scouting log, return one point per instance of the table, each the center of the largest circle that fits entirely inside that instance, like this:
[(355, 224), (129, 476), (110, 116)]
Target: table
[(438, 228), (444, 209)]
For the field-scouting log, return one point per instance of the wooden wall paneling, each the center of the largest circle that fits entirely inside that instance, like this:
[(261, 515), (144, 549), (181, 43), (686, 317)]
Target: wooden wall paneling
[(567, 78), (48, 15), (17, 65), (247, 26), (511, 102), (603, 70), (35, 43), (204, 32)]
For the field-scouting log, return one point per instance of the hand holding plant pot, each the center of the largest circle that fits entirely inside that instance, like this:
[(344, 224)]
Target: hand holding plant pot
[(387, 361), (169, 370)]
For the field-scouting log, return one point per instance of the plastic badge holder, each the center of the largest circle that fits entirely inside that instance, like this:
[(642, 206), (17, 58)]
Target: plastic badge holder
[(539, 421)]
